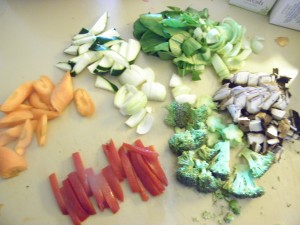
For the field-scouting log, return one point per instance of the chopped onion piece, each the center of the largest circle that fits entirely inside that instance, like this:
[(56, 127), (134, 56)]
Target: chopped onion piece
[(136, 118), (189, 98), (175, 80), (154, 91), (145, 125)]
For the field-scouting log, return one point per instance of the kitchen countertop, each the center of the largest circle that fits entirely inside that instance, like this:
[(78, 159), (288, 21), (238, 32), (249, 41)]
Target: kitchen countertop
[(33, 37)]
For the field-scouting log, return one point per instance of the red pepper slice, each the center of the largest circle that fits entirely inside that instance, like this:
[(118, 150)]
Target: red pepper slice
[(153, 163), (132, 178), (57, 194), (81, 172), (72, 214), (113, 182), (147, 177), (108, 193), (71, 199), (143, 151), (95, 188), (81, 194), (114, 160)]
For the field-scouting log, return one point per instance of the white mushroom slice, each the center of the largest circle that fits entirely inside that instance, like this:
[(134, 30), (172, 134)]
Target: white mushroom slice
[(235, 112), (256, 147), (281, 103), (253, 104), (272, 131), (222, 93), (240, 100), (270, 101), (277, 113), (264, 79), (237, 90), (226, 102), (244, 122), (273, 141), (241, 78), (255, 126), (253, 79), (257, 138), (252, 93)]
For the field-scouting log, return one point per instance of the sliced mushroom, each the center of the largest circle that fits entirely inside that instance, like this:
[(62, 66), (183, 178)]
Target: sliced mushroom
[(253, 79), (235, 112), (241, 78), (253, 104), (273, 141), (243, 123), (264, 117), (240, 100), (284, 126), (277, 113), (255, 126), (257, 138), (272, 131), (222, 93), (270, 100), (226, 102)]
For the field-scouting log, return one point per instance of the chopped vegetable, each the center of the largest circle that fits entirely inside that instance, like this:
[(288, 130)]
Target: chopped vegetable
[(25, 137), (15, 118), (11, 163), (41, 130), (84, 103)]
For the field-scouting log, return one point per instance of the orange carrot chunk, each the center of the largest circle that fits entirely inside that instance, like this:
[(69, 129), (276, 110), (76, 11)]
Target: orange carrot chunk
[(62, 93), (84, 103), (25, 138), (10, 134), (35, 100), (41, 130), (37, 113), (15, 118), (44, 87), (11, 164), (17, 97)]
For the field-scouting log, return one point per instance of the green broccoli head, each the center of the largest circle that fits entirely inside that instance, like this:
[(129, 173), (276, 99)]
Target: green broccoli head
[(219, 165), (187, 175), (259, 164), (198, 117), (178, 115), (206, 153), (187, 140), (241, 184), (207, 183), (233, 134), (186, 158)]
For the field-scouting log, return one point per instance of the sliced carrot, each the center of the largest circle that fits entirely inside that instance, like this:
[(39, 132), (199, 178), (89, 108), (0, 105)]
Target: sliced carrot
[(35, 100), (15, 118), (20, 107), (11, 164), (84, 103), (17, 97), (62, 93), (37, 113), (41, 130), (44, 87), (25, 138), (10, 134)]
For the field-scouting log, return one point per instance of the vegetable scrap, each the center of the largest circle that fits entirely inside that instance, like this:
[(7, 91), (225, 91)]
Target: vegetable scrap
[(137, 163), (282, 41), (27, 112), (193, 41)]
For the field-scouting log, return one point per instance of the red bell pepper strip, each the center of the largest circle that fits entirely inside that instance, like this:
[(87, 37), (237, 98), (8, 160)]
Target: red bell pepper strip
[(143, 151), (81, 194), (132, 178), (95, 188), (81, 172), (149, 180), (57, 194), (153, 163), (113, 182), (72, 214), (71, 199), (108, 193), (113, 159)]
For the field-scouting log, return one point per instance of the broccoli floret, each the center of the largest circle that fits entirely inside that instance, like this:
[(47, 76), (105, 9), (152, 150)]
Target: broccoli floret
[(178, 114), (233, 134), (259, 164), (214, 123), (187, 175), (206, 153), (207, 183), (241, 184), (187, 140), (219, 165), (208, 101), (228, 218), (234, 206), (186, 158), (198, 117)]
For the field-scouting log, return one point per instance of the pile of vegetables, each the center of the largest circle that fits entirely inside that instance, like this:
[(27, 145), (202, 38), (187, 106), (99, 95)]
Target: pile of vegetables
[(192, 40), (27, 112), (136, 162)]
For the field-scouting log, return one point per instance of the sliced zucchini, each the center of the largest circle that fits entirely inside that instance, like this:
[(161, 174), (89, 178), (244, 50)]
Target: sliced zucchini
[(100, 25), (72, 50), (119, 67), (65, 66), (84, 40), (105, 63), (93, 66), (105, 84), (109, 33), (80, 36), (85, 60), (134, 47), (84, 48)]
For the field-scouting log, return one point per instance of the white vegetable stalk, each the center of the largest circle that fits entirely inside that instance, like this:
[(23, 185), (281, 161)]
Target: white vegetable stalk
[(146, 124), (136, 118), (175, 80), (154, 91)]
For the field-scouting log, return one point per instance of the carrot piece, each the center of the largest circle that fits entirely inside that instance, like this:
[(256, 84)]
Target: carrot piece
[(37, 113), (84, 103), (25, 138), (35, 100), (20, 107), (10, 134), (41, 130), (62, 93), (44, 87), (15, 118), (17, 97), (11, 164)]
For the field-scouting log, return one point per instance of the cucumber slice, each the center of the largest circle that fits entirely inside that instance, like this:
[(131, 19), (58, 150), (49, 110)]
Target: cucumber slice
[(105, 63), (80, 36), (109, 33), (134, 47), (85, 60), (65, 66), (105, 84), (100, 25), (93, 66), (72, 50), (118, 68), (84, 48), (84, 40)]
